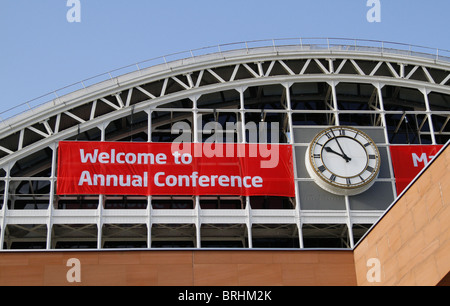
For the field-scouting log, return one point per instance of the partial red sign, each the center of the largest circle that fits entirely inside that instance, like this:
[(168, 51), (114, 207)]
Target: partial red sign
[(120, 168), (408, 161)]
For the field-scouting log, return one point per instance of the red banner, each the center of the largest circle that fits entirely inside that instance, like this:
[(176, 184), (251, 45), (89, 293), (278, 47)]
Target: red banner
[(408, 161), (120, 168)]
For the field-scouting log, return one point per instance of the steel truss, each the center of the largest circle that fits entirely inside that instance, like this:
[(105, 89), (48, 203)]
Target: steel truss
[(141, 105)]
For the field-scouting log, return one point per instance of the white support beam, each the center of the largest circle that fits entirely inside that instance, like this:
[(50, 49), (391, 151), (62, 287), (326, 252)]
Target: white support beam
[(233, 75), (164, 87), (93, 109), (269, 69), (286, 67), (321, 66), (305, 66), (375, 69), (341, 65), (445, 80), (360, 72), (110, 103), (31, 128), (145, 92), (256, 75), (199, 78), (216, 76), (119, 100), (412, 72), (428, 75), (130, 94), (180, 82), (74, 117), (392, 70)]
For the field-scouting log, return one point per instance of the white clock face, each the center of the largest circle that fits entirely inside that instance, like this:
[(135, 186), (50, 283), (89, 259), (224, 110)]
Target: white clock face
[(343, 160)]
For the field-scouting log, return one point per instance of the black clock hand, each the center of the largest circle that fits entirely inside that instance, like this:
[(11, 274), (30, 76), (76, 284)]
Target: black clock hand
[(330, 150), (347, 159)]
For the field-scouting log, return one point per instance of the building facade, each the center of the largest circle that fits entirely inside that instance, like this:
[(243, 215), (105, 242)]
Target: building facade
[(397, 97)]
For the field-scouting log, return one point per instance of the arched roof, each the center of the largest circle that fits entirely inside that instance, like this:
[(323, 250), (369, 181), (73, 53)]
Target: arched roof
[(190, 78)]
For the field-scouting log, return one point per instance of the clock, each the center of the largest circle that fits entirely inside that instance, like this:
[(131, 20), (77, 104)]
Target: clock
[(343, 160)]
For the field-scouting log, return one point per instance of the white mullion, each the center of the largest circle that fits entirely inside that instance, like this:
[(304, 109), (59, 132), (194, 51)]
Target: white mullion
[(386, 136), (101, 200), (197, 209), (149, 125), (198, 222), (349, 222), (51, 208), (3, 222), (430, 121), (298, 211), (335, 104), (130, 94), (149, 222), (93, 109), (248, 221)]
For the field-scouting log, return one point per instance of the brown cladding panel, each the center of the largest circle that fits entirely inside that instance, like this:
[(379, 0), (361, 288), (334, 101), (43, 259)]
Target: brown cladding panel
[(184, 268)]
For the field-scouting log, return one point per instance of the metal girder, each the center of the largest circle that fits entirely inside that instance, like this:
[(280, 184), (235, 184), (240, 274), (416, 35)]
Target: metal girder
[(124, 96)]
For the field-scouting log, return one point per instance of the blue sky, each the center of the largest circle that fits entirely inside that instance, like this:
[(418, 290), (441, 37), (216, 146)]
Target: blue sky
[(40, 51)]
